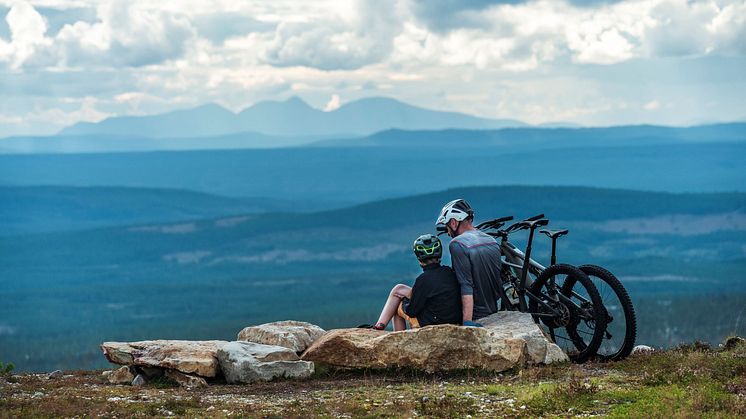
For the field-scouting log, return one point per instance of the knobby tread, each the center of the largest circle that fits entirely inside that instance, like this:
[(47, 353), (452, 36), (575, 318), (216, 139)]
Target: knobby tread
[(575, 274), (629, 310)]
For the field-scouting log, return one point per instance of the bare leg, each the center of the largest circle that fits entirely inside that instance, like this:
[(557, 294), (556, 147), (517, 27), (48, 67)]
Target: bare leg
[(392, 303), (399, 323)]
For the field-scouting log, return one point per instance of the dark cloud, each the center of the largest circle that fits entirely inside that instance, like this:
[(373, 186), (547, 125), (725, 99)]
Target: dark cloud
[(220, 26)]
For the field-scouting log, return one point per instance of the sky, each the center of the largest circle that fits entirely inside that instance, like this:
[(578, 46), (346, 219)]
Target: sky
[(595, 63)]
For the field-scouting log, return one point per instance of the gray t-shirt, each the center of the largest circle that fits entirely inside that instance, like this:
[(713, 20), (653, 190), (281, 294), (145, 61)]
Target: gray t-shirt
[(476, 260)]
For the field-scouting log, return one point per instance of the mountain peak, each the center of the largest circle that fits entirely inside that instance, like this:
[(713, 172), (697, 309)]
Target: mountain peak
[(291, 116), (296, 100)]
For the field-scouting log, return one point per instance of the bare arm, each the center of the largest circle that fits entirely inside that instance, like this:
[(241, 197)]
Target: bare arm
[(467, 304), (462, 267)]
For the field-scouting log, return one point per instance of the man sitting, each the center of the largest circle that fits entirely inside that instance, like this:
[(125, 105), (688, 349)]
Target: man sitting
[(435, 297), (475, 257)]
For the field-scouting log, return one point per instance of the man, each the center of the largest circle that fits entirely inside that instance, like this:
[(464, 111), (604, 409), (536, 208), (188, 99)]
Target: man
[(434, 298), (475, 257)]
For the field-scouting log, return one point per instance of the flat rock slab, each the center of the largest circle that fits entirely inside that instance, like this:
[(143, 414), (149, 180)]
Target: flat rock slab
[(508, 340), (189, 357), (248, 362), (290, 334)]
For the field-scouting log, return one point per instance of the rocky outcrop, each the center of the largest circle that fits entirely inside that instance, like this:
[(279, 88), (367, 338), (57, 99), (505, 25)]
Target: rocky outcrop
[(515, 325), (289, 333), (189, 357), (123, 375), (190, 362), (509, 339), (248, 362)]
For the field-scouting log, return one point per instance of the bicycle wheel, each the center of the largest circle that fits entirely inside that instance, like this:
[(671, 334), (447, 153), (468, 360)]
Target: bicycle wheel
[(621, 323), (579, 329)]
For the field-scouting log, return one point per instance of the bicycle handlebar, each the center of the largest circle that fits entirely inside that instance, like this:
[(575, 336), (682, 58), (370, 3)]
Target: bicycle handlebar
[(535, 221), (535, 217), (496, 223)]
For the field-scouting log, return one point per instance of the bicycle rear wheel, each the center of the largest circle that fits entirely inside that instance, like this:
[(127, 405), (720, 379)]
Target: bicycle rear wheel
[(579, 329), (621, 322)]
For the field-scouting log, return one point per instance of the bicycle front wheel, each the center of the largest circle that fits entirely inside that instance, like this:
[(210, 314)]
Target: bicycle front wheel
[(580, 322), (621, 323)]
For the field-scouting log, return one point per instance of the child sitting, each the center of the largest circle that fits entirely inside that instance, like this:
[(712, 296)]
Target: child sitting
[(435, 297)]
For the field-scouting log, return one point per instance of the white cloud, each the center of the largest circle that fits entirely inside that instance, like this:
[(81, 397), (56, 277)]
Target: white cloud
[(653, 105), (519, 59), (348, 39), (333, 104), (27, 29)]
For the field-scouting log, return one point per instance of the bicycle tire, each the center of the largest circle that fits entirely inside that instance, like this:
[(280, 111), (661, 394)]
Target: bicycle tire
[(612, 351), (582, 350)]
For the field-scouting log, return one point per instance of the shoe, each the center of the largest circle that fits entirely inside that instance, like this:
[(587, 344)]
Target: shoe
[(377, 326)]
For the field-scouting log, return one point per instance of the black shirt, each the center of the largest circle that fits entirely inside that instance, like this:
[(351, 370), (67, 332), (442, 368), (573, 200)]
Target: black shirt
[(436, 297)]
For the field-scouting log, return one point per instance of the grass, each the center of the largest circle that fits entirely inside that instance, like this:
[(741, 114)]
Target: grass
[(693, 380)]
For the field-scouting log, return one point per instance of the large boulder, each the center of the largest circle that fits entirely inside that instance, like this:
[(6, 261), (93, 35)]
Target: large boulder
[(189, 357), (248, 362), (123, 375), (289, 333), (515, 325), (509, 339)]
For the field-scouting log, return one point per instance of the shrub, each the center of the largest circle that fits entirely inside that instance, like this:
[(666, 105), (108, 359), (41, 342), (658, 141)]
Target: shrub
[(6, 369)]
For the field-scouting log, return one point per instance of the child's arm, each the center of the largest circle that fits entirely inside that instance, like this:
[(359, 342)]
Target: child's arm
[(420, 294)]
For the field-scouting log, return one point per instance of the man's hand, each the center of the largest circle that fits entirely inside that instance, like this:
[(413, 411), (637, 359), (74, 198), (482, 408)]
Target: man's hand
[(470, 323)]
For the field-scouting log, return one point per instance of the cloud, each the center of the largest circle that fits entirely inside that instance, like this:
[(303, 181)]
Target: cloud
[(536, 60), (127, 34), (653, 105), (344, 41), (217, 27), (27, 28), (333, 104)]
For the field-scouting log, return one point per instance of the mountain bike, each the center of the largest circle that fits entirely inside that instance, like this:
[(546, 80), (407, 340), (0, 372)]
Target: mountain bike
[(561, 296), (621, 325), (621, 322)]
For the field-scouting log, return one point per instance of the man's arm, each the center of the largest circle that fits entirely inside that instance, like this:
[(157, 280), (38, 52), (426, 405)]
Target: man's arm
[(462, 267), (467, 304)]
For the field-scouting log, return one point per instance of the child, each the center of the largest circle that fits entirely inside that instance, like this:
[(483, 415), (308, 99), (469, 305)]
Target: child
[(435, 297)]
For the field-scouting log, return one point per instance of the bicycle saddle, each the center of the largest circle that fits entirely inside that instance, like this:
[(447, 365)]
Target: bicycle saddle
[(535, 223), (553, 234)]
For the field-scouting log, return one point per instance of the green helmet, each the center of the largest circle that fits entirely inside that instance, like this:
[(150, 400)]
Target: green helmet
[(427, 246)]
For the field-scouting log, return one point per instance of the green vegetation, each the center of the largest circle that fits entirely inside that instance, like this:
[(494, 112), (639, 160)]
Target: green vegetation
[(694, 380), (6, 369)]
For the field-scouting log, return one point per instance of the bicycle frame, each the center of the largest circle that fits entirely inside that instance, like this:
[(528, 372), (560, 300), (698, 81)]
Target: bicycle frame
[(514, 258)]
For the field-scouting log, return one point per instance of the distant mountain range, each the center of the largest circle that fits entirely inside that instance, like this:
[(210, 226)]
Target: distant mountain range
[(366, 122), (532, 138), (206, 278), (292, 117), (357, 174), (34, 209)]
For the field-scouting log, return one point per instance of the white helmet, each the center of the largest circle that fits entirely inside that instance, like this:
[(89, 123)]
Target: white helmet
[(458, 210)]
